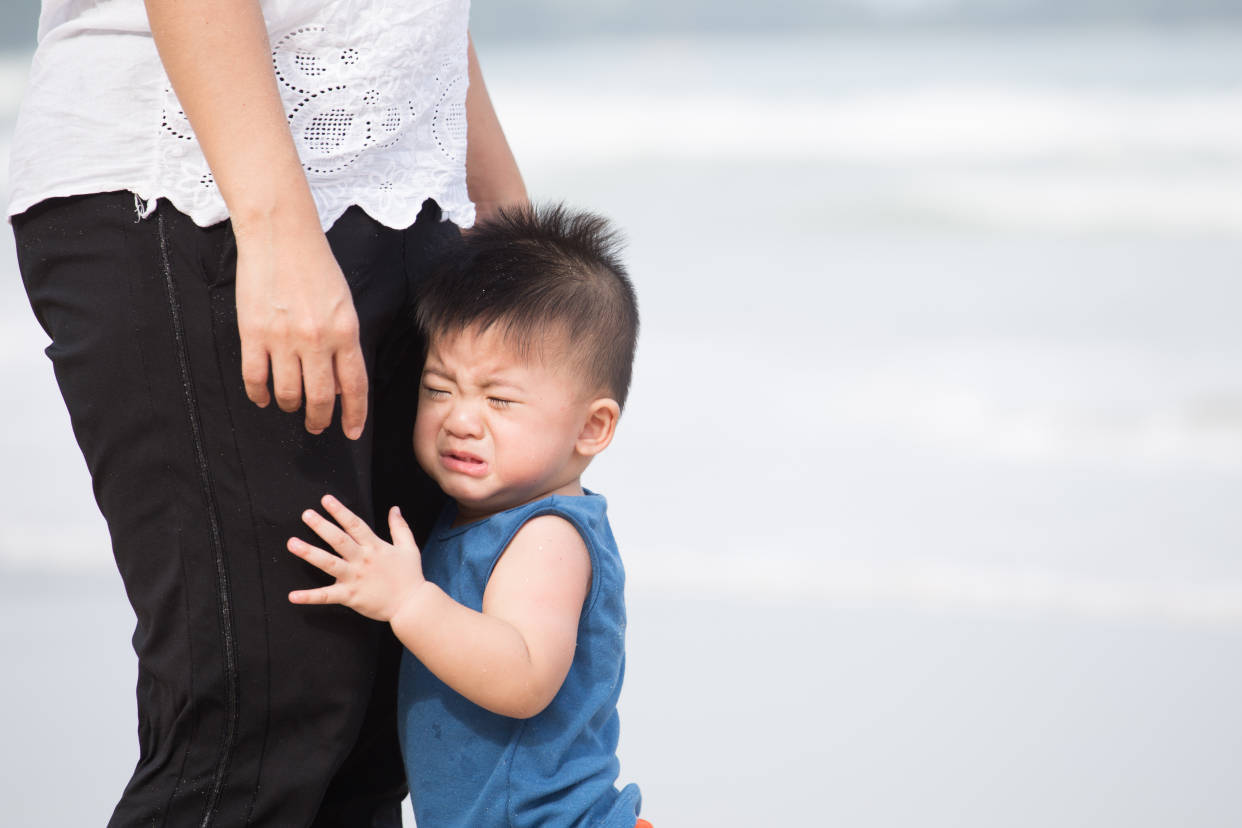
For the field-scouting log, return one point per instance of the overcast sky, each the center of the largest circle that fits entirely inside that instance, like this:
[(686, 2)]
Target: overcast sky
[(553, 18)]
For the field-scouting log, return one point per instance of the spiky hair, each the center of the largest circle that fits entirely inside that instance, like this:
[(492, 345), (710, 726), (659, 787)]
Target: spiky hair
[(540, 276)]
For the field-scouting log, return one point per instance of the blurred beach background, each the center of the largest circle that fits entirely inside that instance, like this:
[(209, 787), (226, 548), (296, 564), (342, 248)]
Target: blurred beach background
[(930, 486)]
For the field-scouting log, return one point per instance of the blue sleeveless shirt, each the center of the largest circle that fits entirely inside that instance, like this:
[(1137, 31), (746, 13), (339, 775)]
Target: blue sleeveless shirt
[(472, 768)]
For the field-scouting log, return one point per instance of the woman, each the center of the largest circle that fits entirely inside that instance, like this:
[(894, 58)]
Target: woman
[(215, 206)]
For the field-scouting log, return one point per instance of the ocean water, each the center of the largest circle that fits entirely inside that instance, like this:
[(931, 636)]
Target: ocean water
[(936, 319), (929, 482)]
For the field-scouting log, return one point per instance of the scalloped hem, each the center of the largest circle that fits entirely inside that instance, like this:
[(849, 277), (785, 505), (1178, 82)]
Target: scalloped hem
[(461, 213)]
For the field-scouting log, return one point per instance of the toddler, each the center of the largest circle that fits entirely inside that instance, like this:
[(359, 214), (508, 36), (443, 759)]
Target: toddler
[(512, 614)]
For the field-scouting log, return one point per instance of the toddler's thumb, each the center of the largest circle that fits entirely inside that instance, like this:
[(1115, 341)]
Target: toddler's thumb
[(400, 530)]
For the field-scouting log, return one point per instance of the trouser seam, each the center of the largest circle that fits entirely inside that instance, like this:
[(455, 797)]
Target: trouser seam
[(254, 528), (223, 591), (185, 578)]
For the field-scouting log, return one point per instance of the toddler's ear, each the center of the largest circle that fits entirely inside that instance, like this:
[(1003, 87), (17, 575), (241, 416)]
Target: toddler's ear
[(600, 425)]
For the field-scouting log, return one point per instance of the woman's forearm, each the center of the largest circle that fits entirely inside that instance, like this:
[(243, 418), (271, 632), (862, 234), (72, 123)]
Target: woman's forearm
[(295, 314), (492, 174), (219, 61)]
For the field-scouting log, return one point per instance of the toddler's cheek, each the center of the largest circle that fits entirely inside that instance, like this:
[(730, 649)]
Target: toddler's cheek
[(425, 453)]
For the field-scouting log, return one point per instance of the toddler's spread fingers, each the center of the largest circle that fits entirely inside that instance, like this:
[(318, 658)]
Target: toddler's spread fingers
[(400, 530), (316, 557), (324, 595), (351, 523), (329, 531)]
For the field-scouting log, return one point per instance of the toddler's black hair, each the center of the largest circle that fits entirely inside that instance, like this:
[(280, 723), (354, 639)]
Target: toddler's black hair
[(540, 275)]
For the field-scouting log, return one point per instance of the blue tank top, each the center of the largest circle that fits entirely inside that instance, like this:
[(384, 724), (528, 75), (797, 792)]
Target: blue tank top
[(472, 768)]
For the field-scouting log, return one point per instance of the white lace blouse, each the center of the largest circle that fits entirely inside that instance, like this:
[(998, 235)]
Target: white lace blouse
[(374, 90)]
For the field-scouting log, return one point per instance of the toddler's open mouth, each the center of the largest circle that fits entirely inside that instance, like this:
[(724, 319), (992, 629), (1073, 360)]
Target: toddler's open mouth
[(464, 462)]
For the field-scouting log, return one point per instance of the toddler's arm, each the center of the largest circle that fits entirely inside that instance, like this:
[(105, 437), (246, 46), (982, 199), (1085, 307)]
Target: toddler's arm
[(512, 657)]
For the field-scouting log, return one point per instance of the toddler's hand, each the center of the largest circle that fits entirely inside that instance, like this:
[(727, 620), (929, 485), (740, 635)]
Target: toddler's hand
[(372, 577)]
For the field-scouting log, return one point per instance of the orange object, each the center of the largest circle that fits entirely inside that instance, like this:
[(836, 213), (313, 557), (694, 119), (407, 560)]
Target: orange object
[(642, 823)]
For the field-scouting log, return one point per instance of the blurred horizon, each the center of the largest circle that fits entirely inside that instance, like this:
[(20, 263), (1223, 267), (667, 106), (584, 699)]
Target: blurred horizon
[(557, 19), (1073, 148), (927, 484)]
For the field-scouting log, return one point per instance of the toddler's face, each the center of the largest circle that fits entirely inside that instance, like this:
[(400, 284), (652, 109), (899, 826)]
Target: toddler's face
[(493, 430)]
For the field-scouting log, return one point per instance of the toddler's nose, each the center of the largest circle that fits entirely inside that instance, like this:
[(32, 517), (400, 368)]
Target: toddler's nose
[(464, 421)]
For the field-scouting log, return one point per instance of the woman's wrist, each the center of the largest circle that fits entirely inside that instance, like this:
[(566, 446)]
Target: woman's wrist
[(273, 204)]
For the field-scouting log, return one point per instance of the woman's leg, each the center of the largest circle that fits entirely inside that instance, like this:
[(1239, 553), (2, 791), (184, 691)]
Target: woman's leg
[(248, 706), (397, 480)]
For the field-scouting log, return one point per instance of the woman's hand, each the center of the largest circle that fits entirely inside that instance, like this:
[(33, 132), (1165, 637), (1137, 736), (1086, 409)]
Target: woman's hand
[(294, 310), (373, 578), (298, 325)]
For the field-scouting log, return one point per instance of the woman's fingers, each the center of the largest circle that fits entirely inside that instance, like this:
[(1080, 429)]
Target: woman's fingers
[(321, 372), (298, 324), (287, 379), (254, 371), (351, 377), (320, 390), (316, 557)]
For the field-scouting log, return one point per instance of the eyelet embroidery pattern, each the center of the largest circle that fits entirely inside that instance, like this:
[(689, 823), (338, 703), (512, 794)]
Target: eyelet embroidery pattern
[(448, 118), (378, 117)]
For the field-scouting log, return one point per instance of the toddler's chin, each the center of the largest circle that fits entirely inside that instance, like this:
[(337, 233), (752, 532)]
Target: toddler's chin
[(471, 501)]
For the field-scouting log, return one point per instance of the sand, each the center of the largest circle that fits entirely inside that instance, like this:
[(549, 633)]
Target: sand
[(743, 713)]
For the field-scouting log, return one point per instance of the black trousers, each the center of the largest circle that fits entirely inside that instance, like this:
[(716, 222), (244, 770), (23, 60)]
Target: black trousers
[(251, 711)]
